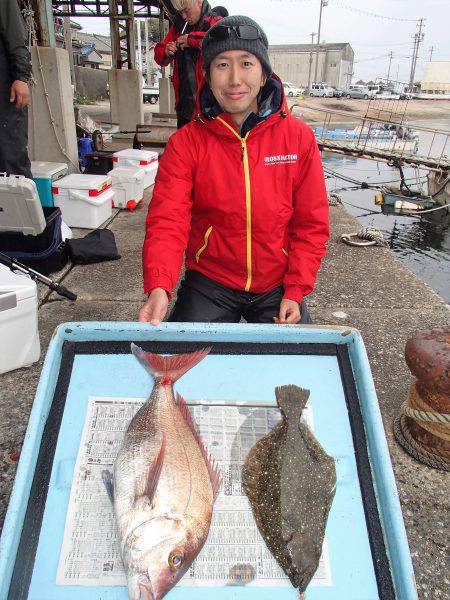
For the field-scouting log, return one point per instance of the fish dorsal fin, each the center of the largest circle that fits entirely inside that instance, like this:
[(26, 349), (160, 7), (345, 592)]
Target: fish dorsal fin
[(153, 474), (257, 461), (213, 469), (169, 368)]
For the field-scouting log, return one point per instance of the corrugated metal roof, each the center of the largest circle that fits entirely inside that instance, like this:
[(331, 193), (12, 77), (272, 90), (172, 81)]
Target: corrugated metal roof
[(102, 43)]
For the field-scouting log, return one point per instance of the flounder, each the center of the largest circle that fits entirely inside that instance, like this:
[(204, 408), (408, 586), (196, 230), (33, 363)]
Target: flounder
[(290, 482)]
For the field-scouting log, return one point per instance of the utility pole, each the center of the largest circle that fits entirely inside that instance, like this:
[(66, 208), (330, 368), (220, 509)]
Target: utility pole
[(431, 52), (147, 52), (391, 56), (418, 39), (313, 35), (322, 4)]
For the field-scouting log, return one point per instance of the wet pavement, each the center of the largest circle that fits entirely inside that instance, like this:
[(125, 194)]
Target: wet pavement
[(366, 288)]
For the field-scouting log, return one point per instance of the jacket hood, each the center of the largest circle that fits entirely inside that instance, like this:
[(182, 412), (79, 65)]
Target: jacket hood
[(271, 101)]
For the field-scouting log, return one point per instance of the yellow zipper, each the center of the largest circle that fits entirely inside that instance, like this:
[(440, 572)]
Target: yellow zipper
[(207, 234), (285, 251), (248, 200)]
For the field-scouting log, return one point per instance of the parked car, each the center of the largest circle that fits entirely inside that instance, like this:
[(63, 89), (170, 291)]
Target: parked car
[(150, 94), (291, 90), (321, 90), (337, 93), (358, 92), (387, 95)]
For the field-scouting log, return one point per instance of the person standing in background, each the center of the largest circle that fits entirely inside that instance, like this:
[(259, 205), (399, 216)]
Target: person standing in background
[(15, 73), (182, 45)]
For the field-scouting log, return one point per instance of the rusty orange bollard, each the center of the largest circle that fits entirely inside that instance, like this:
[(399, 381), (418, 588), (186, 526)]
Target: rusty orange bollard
[(423, 427)]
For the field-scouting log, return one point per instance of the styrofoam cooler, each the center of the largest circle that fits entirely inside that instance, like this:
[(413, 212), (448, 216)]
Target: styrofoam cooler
[(19, 334), (44, 175), (85, 200), (145, 159), (128, 186)]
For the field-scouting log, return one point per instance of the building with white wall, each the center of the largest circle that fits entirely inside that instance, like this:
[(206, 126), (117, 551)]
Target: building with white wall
[(436, 77), (293, 62)]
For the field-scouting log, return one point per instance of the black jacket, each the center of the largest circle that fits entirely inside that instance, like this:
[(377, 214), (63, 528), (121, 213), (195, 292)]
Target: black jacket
[(15, 60)]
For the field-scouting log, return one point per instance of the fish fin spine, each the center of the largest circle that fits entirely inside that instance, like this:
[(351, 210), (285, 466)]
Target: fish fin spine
[(154, 471), (292, 400), (169, 368), (212, 466)]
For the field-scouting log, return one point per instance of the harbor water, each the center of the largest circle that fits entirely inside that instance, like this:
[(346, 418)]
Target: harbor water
[(419, 241)]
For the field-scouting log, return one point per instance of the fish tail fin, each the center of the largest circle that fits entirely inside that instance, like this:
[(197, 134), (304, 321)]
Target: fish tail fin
[(292, 400), (169, 368)]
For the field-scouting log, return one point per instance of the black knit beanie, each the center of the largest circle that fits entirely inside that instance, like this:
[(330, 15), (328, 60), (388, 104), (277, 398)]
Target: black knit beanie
[(211, 47)]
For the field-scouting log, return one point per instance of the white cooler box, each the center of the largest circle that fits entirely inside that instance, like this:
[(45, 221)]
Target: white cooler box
[(128, 186), (145, 159), (19, 334), (85, 200)]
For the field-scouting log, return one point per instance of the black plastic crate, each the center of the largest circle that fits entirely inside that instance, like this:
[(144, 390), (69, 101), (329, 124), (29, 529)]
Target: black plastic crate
[(45, 252), (18, 242), (99, 163)]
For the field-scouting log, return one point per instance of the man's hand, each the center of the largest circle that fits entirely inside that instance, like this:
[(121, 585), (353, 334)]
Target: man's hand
[(154, 310), (289, 313), (19, 93), (171, 49), (182, 41)]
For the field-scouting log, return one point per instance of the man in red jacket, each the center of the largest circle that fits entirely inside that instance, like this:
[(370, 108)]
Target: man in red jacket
[(182, 45), (240, 191)]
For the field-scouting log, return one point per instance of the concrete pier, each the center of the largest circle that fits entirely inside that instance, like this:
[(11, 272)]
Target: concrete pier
[(125, 89), (366, 288), (51, 130)]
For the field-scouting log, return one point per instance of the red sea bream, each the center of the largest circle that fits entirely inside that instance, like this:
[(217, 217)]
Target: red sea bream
[(164, 484)]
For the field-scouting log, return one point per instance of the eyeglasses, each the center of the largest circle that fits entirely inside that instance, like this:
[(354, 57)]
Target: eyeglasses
[(243, 32)]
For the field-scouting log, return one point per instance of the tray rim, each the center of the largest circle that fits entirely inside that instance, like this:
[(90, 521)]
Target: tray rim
[(391, 517)]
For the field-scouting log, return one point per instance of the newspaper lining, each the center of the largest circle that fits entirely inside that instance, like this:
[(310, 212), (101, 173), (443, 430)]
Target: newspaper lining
[(234, 554)]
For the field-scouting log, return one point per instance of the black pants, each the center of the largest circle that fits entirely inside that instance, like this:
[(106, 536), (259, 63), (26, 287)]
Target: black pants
[(13, 130), (203, 300)]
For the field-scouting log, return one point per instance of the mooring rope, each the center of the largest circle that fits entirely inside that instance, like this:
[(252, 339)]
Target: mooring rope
[(334, 199), (417, 408), (415, 449), (367, 236)]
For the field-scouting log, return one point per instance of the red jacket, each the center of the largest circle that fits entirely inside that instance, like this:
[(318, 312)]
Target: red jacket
[(251, 213), (195, 39)]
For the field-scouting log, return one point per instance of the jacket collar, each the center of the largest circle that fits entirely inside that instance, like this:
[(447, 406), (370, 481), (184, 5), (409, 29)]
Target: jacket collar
[(271, 101)]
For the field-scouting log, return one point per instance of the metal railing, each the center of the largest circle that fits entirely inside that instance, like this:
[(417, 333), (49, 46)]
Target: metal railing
[(382, 134)]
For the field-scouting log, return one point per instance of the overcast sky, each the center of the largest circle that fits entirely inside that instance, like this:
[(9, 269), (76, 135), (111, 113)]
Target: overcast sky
[(372, 37)]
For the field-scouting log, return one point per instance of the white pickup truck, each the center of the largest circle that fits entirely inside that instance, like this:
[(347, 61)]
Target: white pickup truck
[(150, 93)]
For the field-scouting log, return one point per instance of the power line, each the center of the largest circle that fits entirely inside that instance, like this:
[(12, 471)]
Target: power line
[(371, 14)]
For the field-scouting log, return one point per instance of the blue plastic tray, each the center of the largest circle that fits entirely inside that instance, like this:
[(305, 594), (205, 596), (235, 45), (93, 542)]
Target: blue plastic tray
[(331, 362)]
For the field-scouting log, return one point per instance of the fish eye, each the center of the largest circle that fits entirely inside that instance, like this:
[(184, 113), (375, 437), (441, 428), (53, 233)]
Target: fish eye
[(175, 560)]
